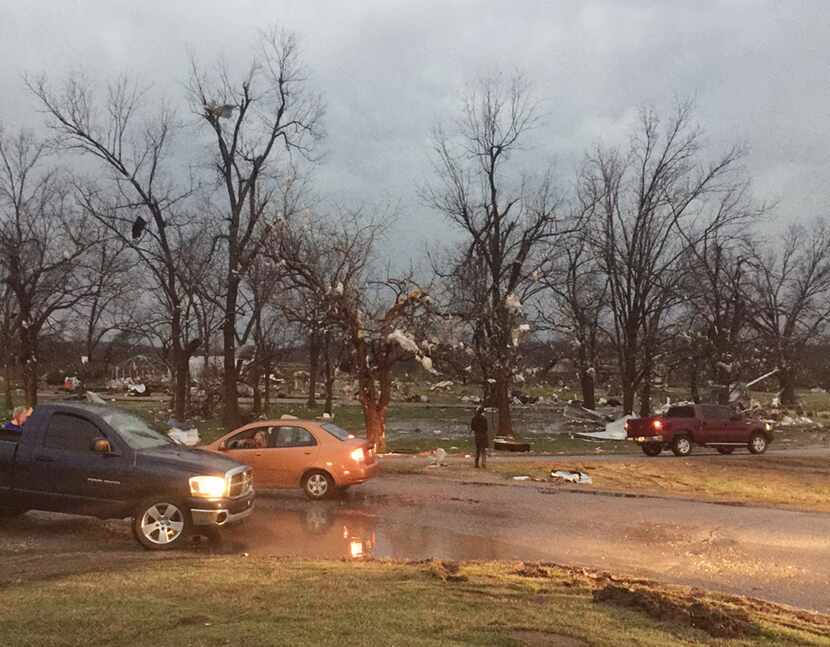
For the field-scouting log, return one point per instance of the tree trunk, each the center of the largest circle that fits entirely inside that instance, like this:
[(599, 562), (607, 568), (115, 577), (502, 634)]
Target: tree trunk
[(313, 367), (267, 387), (375, 417), (694, 378), (28, 358), (230, 413), (502, 393), (255, 372), (645, 389), (786, 380), (588, 390)]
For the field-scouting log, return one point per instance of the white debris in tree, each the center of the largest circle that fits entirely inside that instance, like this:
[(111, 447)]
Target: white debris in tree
[(519, 378), (591, 371), (468, 369), (490, 380), (406, 342), (426, 362), (339, 288), (725, 367), (536, 275), (513, 303)]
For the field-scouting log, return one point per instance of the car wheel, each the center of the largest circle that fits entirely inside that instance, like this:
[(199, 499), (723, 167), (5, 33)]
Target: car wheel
[(160, 524), (681, 446), (651, 449), (725, 450), (318, 485), (758, 443)]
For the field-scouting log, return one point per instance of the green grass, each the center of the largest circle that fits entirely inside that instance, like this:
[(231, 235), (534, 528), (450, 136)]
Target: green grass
[(260, 601)]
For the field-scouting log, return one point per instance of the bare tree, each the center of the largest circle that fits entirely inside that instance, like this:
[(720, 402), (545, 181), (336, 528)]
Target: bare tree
[(377, 319), (267, 111), (141, 203), (648, 206), (577, 293), (110, 305), (504, 221), (789, 292), (42, 245)]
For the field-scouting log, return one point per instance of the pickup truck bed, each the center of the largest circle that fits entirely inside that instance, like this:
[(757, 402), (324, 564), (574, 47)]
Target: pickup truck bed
[(708, 425)]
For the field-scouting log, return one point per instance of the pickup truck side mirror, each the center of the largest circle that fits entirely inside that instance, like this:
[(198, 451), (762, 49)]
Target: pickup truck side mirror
[(101, 446)]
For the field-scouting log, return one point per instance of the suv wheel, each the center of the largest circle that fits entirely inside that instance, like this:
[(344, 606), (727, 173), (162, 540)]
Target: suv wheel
[(758, 443), (725, 450), (161, 524), (652, 449), (318, 485), (681, 445)]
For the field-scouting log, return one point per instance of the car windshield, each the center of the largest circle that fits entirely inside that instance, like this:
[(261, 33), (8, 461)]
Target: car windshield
[(135, 432), (337, 432)]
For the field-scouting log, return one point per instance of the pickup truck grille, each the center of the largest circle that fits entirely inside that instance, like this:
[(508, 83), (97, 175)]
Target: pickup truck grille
[(241, 483)]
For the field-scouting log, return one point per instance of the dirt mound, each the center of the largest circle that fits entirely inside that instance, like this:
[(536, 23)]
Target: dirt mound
[(531, 570), (717, 621), (447, 571)]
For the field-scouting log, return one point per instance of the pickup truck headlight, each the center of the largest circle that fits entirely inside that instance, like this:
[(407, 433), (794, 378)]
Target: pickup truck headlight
[(210, 487)]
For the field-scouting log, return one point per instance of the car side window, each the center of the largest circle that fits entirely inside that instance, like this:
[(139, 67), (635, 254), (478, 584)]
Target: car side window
[(70, 433), (291, 437), (256, 438)]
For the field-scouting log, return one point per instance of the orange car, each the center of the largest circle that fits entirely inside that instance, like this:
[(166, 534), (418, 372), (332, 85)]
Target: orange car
[(319, 457)]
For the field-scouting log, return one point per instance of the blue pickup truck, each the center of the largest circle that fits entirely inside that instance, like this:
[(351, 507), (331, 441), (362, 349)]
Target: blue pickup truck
[(104, 462)]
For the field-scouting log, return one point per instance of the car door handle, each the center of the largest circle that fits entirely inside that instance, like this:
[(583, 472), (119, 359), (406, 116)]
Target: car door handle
[(307, 453), (44, 459)]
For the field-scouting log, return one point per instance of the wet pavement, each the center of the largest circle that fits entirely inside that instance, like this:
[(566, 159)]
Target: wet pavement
[(780, 555), (775, 554)]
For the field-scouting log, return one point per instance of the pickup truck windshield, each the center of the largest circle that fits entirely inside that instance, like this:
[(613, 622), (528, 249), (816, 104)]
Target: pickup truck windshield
[(135, 432)]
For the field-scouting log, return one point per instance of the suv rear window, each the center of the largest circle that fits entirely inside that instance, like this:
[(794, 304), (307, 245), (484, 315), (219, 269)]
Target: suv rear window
[(680, 412)]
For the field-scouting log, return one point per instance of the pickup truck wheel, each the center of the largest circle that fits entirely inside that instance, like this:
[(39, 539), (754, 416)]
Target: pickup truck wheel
[(318, 485), (725, 450), (681, 446), (160, 524), (758, 443), (652, 449)]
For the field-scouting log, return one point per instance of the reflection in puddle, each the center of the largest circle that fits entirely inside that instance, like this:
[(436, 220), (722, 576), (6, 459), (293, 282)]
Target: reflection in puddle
[(334, 530)]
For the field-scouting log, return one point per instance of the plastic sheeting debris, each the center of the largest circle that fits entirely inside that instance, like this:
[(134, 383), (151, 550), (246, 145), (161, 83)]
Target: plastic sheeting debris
[(613, 430), (189, 437), (571, 477), (93, 397)]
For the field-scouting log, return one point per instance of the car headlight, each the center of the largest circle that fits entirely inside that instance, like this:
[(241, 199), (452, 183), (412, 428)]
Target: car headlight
[(211, 487), (357, 455)]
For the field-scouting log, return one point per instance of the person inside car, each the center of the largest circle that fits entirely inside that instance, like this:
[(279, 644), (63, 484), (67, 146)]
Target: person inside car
[(19, 417)]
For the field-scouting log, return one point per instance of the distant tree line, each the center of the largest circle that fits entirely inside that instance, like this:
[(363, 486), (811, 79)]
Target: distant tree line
[(194, 228)]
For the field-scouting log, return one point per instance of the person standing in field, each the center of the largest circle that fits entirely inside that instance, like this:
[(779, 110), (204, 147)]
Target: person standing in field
[(479, 427)]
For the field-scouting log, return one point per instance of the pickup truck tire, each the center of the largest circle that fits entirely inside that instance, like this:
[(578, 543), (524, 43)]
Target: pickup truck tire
[(758, 443), (681, 445), (161, 524), (652, 449), (318, 485), (725, 450)]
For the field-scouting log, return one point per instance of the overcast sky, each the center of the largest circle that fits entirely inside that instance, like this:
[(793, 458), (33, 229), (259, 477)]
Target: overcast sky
[(389, 70)]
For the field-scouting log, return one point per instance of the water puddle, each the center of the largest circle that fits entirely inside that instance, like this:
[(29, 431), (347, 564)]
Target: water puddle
[(333, 530)]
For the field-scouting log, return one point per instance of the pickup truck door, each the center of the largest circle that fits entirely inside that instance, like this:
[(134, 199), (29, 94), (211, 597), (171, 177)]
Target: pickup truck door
[(715, 424), (85, 481)]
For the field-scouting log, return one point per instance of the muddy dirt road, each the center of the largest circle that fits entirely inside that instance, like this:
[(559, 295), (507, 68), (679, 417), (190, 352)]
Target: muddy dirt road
[(779, 555)]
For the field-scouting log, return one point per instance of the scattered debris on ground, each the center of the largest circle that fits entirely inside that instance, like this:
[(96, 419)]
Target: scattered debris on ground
[(571, 476), (445, 570)]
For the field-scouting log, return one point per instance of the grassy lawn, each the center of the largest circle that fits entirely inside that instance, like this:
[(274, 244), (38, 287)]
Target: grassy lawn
[(238, 601), (767, 480)]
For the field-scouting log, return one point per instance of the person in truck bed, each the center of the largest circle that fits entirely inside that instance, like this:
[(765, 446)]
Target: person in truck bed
[(19, 417)]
